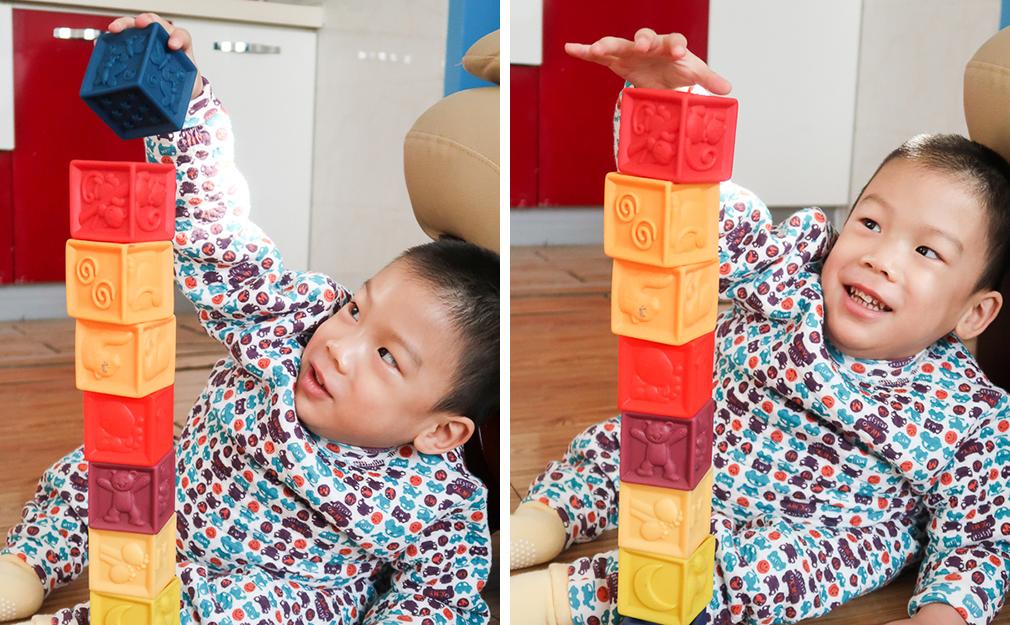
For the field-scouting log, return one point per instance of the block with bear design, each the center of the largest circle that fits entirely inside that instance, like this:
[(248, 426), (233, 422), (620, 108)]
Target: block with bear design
[(135, 565), (671, 306), (114, 609), (676, 136), (131, 361), (665, 590), (129, 498), (658, 223), (666, 452), (665, 521), (122, 201), (127, 430), (666, 380), (120, 283)]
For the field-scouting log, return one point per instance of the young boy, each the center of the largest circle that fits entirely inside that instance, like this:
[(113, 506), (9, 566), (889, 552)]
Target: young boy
[(853, 432), (320, 478)]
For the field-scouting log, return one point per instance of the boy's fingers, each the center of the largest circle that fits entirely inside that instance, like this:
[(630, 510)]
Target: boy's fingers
[(611, 45), (715, 83), (120, 24), (645, 39)]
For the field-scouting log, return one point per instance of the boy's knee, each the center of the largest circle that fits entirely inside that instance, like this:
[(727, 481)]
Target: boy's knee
[(537, 535)]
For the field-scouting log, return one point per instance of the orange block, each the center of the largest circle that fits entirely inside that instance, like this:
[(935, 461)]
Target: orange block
[(669, 591), (671, 306), (121, 283), (130, 361), (664, 521), (659, 223), (133, 565), (118, 609)]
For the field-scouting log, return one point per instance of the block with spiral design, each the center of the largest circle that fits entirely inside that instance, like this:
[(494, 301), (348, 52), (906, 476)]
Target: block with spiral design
[(121, 283)]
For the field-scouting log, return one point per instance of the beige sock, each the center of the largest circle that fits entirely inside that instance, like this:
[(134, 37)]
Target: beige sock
[(536, 535), (21, 592), (540, 597)]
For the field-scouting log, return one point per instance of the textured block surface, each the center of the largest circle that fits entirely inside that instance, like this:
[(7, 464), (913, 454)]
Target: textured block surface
[(671, 306), (136, 85), (667, 380), (666, 452), (122, 202), (126, 430), (135, 565), (121, 610), (129, 498), (121, 283), (656, 222), (665, 590), (676, 136), (131, 361), (664, 521)]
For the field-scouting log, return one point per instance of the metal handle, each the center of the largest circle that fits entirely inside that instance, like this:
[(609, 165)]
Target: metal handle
[(241, 47), (87, 34)]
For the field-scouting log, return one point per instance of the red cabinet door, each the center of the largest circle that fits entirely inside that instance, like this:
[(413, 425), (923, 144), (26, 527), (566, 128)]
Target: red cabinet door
[(575, 99), (52, 126)]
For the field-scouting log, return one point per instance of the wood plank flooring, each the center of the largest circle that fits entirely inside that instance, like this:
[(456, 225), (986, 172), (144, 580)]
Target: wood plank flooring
[(564, 379), (41, 414)]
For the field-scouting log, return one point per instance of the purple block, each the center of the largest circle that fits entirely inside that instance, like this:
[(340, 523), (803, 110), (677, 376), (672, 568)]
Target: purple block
[(127, 498), (666, 451)]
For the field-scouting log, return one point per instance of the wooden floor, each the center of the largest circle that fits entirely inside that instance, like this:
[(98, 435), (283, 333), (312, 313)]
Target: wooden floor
[(42, 418), (564, 378)]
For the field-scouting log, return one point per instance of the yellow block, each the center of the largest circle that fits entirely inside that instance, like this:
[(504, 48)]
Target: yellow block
[(109, 609), (134, 565), (659, 223), (670, 306), (121, 283), (126, 360), (669, 591), (665, 521)]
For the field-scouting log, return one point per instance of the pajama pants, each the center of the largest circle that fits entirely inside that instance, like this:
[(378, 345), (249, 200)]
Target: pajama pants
[(53, 538), (768, 569)]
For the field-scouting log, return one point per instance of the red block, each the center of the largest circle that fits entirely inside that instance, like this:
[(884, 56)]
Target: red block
[(666, 380), (669, 453), (127, 498), (124, 430), (122, 202), (676, 136)]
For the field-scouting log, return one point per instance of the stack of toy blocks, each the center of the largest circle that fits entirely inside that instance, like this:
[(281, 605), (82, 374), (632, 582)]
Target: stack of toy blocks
[(120, 290), (661, 228)]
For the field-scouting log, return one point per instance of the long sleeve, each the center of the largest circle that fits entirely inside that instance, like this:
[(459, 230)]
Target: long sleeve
[(437, 578), (583, 487), (224, 263), (968, 556)]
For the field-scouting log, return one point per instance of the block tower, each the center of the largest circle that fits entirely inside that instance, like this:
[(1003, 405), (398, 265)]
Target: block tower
[(661, 228), (120, 290)]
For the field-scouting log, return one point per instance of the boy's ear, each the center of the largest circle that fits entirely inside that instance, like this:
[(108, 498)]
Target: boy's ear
[(985, 308), (448, 432)]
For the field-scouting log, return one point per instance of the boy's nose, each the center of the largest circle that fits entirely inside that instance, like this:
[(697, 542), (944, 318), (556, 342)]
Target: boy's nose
[(346, 353), (882, 262)]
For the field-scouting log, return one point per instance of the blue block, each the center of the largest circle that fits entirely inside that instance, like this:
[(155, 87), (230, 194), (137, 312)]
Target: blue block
[(136, 85)]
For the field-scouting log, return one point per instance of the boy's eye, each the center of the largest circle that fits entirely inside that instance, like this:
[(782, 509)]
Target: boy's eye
[(353, 308), (869, 223), (928, 253), (388, 357)]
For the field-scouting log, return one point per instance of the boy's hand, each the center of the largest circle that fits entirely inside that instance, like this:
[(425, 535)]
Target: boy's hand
[(652, 61), (178, 39), (933, 614)]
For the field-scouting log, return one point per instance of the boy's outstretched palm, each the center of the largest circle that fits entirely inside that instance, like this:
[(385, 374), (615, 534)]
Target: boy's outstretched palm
[(652, 61)]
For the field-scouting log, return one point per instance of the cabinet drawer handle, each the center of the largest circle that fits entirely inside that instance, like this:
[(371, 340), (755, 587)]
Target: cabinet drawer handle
[(87, 34), (241, 47)]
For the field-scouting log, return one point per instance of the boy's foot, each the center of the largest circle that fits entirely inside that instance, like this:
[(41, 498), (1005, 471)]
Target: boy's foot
[(21, 592), (536, 535), (540, 597)]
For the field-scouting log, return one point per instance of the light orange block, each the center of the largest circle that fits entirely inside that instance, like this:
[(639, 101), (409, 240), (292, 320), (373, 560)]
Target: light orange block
[(664, 521), (671, 306), (659, 223), (122, 283), (669, 591), (131, 361), (122, 610), (133, 565)]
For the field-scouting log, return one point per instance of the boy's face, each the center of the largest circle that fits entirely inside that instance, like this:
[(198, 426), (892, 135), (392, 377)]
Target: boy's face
[(903, 271), (370, 375)]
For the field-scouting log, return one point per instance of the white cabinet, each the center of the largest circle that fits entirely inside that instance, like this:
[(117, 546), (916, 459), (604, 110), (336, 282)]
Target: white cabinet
[(269, 93)]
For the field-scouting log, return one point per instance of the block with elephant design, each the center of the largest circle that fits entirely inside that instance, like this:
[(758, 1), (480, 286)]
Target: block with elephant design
[(127, 430), (666, 380)]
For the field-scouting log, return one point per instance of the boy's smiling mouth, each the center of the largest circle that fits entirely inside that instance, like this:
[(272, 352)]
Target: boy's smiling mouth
[(314, 384), (866, 299)]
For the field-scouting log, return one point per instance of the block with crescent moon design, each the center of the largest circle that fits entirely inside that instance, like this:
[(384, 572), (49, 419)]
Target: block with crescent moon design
[(665, 590), (110, 609)]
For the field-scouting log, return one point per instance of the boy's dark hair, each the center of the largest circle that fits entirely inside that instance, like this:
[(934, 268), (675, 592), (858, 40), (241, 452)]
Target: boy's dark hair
[(466, 277), (986, 173)]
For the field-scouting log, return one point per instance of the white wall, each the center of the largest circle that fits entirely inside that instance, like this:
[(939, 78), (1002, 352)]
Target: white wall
[(361, 215)]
